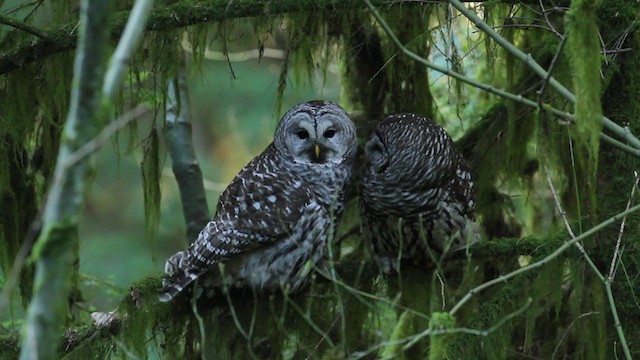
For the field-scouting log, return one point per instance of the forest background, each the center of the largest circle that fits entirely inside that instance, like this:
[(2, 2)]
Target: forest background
[(248, 61)]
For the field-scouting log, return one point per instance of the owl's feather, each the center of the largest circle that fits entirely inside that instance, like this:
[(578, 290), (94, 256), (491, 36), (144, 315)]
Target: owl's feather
[(417, 195)]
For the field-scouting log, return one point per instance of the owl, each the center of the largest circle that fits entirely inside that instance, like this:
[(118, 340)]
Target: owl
[(274, 220), (417, 199)]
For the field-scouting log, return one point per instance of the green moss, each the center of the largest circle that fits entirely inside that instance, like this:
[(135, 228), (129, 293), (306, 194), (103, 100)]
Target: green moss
[(439, 343), (584, 52)]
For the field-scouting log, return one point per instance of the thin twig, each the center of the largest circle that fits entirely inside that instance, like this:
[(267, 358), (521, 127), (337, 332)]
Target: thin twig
[(200, 320), (616, 252), (18, 263), (488, 88), (546, 17), (551, 67), (616, 321), (458, 76), (563, 215), (107, 133), (486, 332), (542, 262), (528, 60)]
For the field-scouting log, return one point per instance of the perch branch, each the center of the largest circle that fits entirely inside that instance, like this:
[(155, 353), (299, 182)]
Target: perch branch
[(184, 161), (528, 60)]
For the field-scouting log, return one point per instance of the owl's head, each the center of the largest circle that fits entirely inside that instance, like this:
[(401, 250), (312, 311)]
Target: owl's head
[(409, 147), (317, 132)]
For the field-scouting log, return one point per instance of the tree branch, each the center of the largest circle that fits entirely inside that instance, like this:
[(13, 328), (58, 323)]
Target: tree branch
[(185, 163), (544, 261), (131, 38), (527, 59), (443, 69), (9, 21), (54, 250), (178, 15)]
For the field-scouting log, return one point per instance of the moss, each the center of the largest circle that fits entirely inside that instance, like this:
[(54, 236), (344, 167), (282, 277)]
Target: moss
[(615, 173), (584, 52), (440, 343), (9, 347), (151, 184)]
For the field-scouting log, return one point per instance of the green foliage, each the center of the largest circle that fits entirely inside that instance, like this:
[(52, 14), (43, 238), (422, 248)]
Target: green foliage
[(616, 171), (508, 146), (439, 343)]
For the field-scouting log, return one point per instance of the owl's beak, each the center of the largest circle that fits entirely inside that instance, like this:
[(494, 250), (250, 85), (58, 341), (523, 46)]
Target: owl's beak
[(317, 151)]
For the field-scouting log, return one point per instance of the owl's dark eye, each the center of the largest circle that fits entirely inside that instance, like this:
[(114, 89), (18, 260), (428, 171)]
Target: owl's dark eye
[(302, 134), (329, 133), (375, 148)]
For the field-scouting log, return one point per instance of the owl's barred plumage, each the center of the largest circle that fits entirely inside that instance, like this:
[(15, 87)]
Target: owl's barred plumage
[(417, 197), (274, 220)]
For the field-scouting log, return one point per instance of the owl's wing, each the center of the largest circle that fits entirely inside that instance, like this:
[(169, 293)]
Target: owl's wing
[(259, 207)]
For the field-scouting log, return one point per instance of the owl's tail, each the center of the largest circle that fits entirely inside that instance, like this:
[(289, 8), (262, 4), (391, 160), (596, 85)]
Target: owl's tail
[(176, 285)]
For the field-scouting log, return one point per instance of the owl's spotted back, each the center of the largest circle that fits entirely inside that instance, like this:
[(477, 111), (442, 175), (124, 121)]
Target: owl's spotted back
[(417, 192)]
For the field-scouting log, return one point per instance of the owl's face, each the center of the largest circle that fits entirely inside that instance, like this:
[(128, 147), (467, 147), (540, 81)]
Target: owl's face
[(403, 148), (376, 153), (317, 132)]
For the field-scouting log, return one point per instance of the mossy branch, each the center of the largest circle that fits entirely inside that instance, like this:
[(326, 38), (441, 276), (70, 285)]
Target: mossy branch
[(56, 249), (544, 261), (184, 161), (178, 15), (540, 71), (9, 21), (502, 93), (140, 310)]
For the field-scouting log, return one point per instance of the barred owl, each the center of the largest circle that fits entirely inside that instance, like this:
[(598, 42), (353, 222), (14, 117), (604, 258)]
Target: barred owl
[(274, 220), (417, 197)]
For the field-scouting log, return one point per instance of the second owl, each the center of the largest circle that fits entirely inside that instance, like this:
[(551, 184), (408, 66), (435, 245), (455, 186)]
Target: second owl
[(417, 195)]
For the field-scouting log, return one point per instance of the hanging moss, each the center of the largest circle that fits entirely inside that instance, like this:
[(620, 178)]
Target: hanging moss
[(151, 184), (584, 51), (34, 102)]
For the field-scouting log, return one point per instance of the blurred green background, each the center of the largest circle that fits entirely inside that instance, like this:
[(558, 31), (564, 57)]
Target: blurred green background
[(233, 121)]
